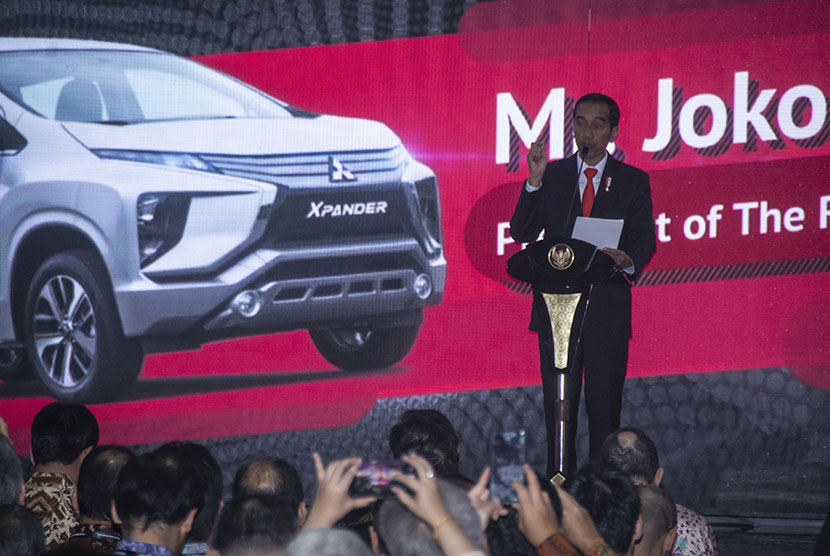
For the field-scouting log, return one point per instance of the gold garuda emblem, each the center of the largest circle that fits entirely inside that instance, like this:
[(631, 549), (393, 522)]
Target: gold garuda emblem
[(561, 256)]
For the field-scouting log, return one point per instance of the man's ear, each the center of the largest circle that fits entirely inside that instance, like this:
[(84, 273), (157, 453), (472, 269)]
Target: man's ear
[(187, 524), (21, 499), (31, 456), (614, 131), (302, 513), (658, 476), (75, 501), (114, 512), (638, 532)]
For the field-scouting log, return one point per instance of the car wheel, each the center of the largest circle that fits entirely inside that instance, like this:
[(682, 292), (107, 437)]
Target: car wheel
[(73, 333), (364, 347)]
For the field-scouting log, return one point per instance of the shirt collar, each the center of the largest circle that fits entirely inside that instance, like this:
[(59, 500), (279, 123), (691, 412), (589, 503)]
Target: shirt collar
[(600, 166)]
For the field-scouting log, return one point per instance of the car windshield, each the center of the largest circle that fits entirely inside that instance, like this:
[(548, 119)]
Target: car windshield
[(123, 87)]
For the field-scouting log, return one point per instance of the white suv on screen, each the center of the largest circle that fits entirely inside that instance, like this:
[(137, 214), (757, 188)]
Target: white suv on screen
[(149, 203)]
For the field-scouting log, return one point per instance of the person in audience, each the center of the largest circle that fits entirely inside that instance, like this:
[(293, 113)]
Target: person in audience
[(96, 484), (11, 474), (272, 477), (566, 531), (255, 546), (21, 532), (612, 501), (327, 542), (62, 436), (156, 499), (635, 453), (209, 476), (659, 522), (255, 517), (430, 434)]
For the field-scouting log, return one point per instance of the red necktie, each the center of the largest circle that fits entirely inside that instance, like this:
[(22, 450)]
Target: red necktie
[(588, 194)]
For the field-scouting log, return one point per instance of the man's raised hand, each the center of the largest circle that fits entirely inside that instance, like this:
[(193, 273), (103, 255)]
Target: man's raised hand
[(537, 160)]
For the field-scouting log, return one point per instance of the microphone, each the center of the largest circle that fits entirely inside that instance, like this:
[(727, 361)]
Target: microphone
[(583, 152)]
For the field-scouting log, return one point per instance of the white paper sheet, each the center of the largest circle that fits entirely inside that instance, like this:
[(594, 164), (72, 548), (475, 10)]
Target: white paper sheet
[(602, 232)]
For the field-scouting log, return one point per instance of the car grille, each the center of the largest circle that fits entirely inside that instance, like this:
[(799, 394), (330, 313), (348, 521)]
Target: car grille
[(314, 169)]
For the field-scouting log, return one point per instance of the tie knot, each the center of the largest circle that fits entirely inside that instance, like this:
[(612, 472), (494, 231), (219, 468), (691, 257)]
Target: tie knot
[(590, 173)]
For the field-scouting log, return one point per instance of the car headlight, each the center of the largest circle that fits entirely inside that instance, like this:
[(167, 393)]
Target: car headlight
[(160, 218), (177, 160)]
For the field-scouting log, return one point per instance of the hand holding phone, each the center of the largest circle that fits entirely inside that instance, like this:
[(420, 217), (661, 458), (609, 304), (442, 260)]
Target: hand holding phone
[(509, 452), (374, 478)]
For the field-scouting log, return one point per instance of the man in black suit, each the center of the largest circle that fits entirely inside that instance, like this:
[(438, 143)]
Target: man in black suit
[(550, 201)]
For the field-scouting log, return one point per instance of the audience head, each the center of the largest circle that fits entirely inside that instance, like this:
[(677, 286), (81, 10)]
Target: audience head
[(404, 534), (209, 477), (659, 521), (159, 491), (633, 452), (11, 474), (21, 533), (273, 477), (97, 479), (612, 502), (63, 433), (430, 434), (327, 542), (255, 517)]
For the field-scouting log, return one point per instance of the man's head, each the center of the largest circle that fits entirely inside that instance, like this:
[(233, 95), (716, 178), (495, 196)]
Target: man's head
[(11, 474), (63, 433), (327, 542), (209, 476), (272, 477), (255, 517), (430, 434), (97, 479), (612, 502), (158, 494), (659, 521), (635, 454), (21, 533), (404, 534), (596, 123)]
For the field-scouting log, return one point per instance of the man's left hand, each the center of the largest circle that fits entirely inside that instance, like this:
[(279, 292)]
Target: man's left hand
[(621, 258)]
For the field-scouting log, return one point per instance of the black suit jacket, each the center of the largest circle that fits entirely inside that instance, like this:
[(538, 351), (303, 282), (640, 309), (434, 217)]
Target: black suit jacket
[(554, 208)]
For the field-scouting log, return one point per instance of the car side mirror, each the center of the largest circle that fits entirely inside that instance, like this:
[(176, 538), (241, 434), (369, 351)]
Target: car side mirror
[(11, 141)]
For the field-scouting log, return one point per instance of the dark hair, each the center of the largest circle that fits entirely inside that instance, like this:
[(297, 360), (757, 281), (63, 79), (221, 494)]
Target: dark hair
[(505, 539), (271, 477), (209, 476), (21, 533), (11, 472), (155, 488), (638, 460), (97, 479), (659, 514), (613, 109), (430, 434), (255, 517), (611, 499), (61, 432)]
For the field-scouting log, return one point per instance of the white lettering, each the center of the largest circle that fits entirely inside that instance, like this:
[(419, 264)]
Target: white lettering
[(824, 212), (818, 111), (662, 222), (745, 209), (503, 237), (664, 112), (687, 116), (694, 227), (793, 219), (508, 114), (750, 116), (315, 210)]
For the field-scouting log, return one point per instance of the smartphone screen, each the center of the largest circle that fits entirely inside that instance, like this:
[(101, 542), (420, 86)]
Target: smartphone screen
[(374, 478), (509, 453)]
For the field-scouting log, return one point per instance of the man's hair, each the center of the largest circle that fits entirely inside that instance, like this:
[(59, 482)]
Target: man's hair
[(270, 477), (209, 477), (659, 514), (21, 533), (611, 500), (255, 516), (327, 542), (404, 534), (613, 109), (97, 479), (61, 432), (430, 434), (638, 460), (157, 488), (11, 473)]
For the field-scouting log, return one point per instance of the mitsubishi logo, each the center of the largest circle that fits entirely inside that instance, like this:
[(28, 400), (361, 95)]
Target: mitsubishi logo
[(338, 172)]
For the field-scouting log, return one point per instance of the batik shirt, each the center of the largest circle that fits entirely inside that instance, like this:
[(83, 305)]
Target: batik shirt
[(49, 496), (694, 535), (95, 536)]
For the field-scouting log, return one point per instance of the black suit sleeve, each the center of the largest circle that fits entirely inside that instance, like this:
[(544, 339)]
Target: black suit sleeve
[(639, 240)]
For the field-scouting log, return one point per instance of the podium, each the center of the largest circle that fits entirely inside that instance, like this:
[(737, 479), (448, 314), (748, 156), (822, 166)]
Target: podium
[(562, 273)]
